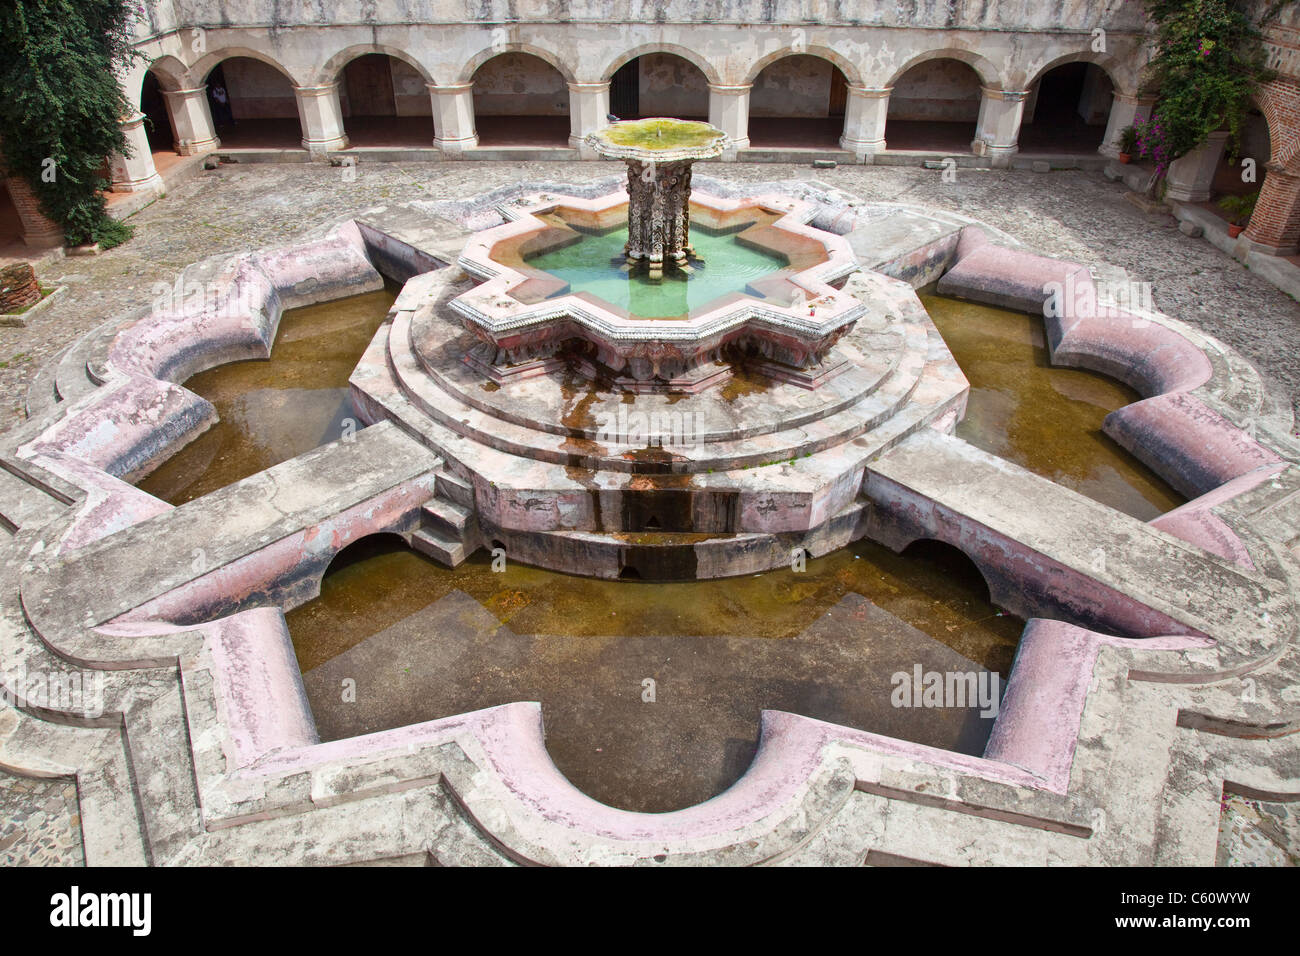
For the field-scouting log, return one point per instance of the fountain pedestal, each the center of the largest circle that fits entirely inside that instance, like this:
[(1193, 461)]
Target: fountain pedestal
[(659, 153)]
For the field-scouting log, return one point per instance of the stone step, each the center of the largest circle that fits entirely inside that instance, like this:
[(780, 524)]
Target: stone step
[(455, 489), (42, 395), (441, 547), (447, 518)]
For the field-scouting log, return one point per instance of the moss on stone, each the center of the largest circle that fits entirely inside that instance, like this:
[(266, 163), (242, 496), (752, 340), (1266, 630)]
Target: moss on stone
[(661, 133)]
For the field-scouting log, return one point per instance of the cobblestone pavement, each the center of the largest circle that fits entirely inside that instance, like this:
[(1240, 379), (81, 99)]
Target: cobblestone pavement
[(1068, 213), (40, 824)]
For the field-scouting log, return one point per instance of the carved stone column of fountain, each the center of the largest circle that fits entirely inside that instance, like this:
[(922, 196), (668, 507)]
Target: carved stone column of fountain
[(659, 153)]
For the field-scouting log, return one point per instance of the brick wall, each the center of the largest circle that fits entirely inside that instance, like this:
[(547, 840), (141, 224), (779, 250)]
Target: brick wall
[(1276, 222), (38, 231)]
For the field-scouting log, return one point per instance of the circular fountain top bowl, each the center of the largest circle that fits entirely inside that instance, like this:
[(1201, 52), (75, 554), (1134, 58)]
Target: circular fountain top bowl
[(658, 140)]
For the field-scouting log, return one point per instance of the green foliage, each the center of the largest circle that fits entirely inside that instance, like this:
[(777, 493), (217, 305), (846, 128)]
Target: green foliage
[(1209, 59), (61, 104), (1240, 208), (1128, 139)]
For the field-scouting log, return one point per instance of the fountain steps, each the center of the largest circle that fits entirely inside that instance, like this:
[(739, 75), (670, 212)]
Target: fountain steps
[(43, 394), (441, 347), (449, 533), (552, 515), (538, 445), (74, 376)]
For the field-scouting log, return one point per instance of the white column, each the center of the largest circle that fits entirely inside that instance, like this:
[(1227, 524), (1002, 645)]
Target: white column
[(1126, 109), (192, 128), (1191, 177), (321, 116), (729, 111), (588, 112), (135, 173), (453, 117), (864, 120), (998, 129)]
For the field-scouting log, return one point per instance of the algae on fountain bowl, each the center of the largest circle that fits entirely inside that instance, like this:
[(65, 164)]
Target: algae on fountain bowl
[(661, 133)]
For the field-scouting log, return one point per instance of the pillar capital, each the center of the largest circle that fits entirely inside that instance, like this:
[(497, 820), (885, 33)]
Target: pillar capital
[(585, 87), (185, 94), (448, 89), (871, 92), (1135, 99), (730, 89), (1011, 96)]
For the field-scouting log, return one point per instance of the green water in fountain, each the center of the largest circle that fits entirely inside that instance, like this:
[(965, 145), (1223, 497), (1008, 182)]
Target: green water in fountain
[(596, 266)]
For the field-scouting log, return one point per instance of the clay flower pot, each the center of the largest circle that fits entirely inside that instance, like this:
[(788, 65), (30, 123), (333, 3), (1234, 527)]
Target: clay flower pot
[(1125, 158), (1234, 230)]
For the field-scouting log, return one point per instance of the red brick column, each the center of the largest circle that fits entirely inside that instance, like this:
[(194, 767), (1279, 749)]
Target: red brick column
[(1275, 227), (38, 232)]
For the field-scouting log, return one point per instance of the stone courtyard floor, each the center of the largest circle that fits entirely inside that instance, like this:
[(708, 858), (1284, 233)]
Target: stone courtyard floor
[(1073, 214)]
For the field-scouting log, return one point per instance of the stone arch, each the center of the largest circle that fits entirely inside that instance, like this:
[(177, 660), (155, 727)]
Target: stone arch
[(516, 103), (332, 69), (172, 73), (798, 101), (205, 65), (658, 81), (936, 101), (953, 559), (985, 70), (686, 53), (270, 118), (846, 66), (1068, 106), (383, 95), (1103, 61), (472, 65)]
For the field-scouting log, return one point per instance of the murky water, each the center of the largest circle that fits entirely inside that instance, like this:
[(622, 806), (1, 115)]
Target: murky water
[(1045, 419), (422, 642), (273, 410)]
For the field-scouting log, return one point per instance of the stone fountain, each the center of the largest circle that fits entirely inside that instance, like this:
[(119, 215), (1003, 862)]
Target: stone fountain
[(659, 153)]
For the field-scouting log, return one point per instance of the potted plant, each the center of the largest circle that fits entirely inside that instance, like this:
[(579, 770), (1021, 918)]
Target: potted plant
[(1239, 210), (1128, 139)]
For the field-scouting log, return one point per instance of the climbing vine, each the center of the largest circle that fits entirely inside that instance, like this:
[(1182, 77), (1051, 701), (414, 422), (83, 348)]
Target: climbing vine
[(1209, 59), (61, 105)]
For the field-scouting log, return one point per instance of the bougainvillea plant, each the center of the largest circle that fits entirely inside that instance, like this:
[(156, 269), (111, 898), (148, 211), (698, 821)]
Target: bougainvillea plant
[(61, 105), (1209, 59)]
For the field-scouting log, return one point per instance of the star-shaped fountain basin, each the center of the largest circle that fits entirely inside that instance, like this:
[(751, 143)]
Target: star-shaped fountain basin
[(761, 278)]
